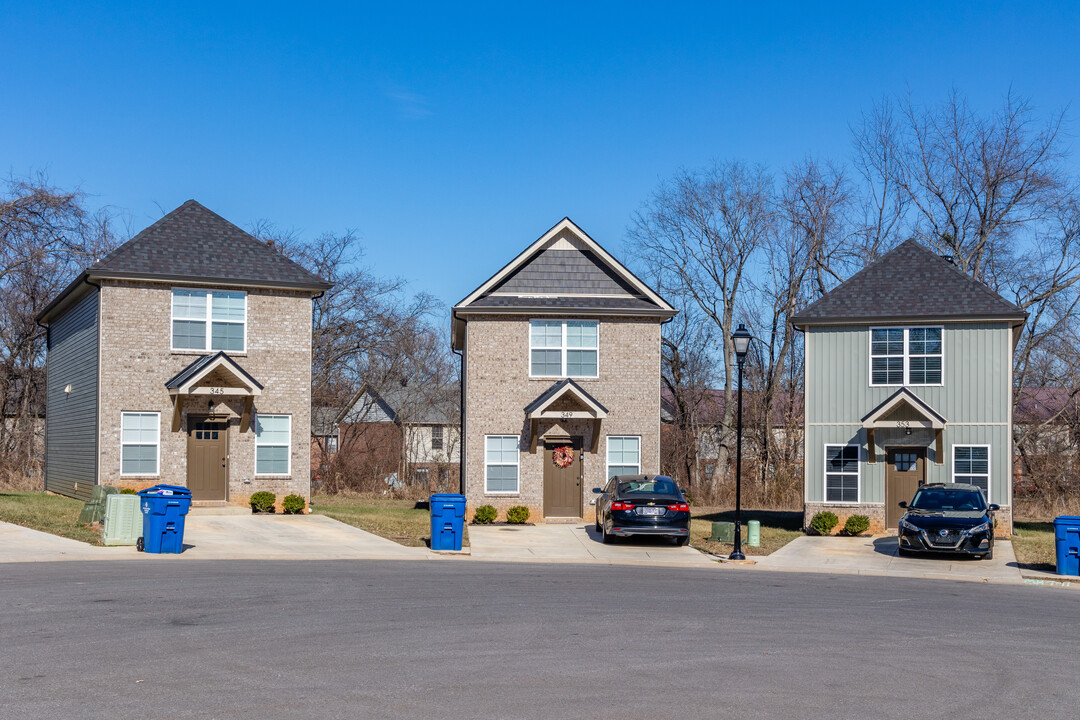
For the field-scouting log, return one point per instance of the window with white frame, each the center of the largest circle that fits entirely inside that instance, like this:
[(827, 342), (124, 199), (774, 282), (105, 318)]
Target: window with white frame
[(273, 435), (906, 356), (209, 320), (501, 464), (623, 455), (563, 348), (139, 443), (842, 473), (436, 437), (971, 465), (330, 443)]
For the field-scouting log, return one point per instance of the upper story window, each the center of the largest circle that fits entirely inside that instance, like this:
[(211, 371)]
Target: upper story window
[(436, 437), (563, 348), (209, 320), (905, 356)]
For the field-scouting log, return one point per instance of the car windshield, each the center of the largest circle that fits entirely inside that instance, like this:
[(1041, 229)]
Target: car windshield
[(656, 486), (948, 500)]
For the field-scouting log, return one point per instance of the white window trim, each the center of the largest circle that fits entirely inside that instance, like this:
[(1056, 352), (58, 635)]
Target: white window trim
[(563, 348), (288, 454), (208, 320), (907, 356), (516, 463), (989, 466), (607, 453), (825, 475), (157, 444)]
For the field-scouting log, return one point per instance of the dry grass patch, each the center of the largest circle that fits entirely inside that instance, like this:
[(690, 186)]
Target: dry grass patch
[(778, 528), (406, 522), (1033, 544), (53, 514)]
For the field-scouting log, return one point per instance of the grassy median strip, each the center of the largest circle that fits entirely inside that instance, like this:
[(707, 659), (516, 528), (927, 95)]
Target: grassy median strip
[(53, 514), (778, 528), (1033, 544), (406, 522)]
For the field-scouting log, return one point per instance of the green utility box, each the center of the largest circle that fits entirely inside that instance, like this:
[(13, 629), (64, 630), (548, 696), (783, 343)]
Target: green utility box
[(753, 533), (94, 509), (123, 520), (723, 532)]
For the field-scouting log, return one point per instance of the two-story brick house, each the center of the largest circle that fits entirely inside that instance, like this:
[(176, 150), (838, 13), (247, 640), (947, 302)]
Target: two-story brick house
[(560, 350), (183, 357), (908, 380)]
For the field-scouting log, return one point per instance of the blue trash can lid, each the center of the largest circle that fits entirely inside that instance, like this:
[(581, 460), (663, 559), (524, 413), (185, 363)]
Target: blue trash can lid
[(166, 490), (446, 497), (1067, 520)]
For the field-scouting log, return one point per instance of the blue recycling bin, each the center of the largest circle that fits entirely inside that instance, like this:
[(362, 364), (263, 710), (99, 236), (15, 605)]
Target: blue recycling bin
[(447, 520), (1067, 544), (164, 508)]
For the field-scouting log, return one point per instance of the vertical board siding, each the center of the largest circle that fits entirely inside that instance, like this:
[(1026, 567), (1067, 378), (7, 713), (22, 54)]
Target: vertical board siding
[(71, 419)]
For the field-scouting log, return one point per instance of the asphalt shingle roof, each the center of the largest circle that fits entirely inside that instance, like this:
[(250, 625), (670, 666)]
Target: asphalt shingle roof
[(568, 303), (910, 281)]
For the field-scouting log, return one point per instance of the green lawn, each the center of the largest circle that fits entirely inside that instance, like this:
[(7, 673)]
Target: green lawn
[(1034, 546), (398, 520), (777, 529), (49, 513)]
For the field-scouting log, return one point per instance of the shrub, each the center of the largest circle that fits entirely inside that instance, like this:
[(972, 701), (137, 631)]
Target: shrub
[(127, 491), (856, 525), (485, 515), (824, 522), (517, 515), (293, 504), (263, 501)]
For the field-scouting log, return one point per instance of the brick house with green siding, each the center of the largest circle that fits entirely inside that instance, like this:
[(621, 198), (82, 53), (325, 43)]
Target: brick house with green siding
[(182, 357), (908, 380)]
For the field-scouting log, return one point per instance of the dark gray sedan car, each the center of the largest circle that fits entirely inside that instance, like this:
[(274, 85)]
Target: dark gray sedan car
[(642, 505)]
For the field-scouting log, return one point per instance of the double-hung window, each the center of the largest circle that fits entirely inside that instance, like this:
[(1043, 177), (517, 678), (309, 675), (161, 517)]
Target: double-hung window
[(139, 441), (501, 464), (623, 455), (563, 348), (273, 435), (209, 320), (905, 356), (436, 437), (971, 465), (842, 473)]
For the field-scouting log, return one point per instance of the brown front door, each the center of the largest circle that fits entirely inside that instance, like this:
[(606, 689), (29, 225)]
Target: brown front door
[(207, 459), (562, 485), (904, 473)]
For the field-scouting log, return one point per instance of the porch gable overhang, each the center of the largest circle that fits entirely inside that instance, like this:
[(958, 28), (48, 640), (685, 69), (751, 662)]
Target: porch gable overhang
[(191, 381), (542, 408), (922, 416)]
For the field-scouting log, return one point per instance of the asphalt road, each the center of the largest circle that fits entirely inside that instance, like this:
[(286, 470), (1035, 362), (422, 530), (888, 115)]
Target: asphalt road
[(475, 640)]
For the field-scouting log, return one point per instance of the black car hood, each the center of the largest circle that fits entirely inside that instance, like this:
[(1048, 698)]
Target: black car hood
[(939, 519)]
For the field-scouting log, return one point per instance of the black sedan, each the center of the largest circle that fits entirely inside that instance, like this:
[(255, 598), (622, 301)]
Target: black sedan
[(948, 518), (642, 505)]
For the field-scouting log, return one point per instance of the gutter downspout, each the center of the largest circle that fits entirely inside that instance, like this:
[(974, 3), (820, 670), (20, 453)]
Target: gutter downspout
[(461, 409)]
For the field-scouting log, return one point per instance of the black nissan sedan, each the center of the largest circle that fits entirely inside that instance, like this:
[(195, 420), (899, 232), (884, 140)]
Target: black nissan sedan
[(948, 518), (642, 505)]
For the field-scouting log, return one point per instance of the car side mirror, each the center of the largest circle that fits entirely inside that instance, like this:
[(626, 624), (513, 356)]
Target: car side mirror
[(902, 503), (597, 490), (995, 506)]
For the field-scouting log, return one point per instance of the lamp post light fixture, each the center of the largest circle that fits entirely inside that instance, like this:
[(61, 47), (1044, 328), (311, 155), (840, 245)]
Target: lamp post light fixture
[(741, 339)]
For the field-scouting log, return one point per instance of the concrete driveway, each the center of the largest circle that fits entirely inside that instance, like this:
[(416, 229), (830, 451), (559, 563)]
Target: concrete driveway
[(878, 556), (571, 543)]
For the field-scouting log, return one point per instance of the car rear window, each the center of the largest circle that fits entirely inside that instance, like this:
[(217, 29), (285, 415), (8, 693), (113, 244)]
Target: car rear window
[(948, 500), (659, 486)]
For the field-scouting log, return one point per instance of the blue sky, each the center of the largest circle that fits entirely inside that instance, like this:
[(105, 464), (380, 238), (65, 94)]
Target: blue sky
[(451, 137)]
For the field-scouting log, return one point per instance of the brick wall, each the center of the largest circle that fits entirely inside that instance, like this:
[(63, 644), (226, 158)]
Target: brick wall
[(136, 360)]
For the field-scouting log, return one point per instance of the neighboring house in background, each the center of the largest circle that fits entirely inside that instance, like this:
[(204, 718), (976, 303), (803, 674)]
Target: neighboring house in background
[(22, 434), (908, 380), (182, 357), (560, 348)]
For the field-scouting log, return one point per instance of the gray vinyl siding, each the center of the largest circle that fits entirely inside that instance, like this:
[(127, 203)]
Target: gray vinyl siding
[(975, 401), (71, 419)]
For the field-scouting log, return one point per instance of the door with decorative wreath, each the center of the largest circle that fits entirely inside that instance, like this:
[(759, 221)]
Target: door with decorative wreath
[(562, 478)]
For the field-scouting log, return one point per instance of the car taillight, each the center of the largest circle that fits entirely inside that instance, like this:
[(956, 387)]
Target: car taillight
[(617, 505), (679, 507)]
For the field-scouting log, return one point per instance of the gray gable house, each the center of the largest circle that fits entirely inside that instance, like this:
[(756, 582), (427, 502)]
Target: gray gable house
[(908, 380), (560, 349), (182, 357)]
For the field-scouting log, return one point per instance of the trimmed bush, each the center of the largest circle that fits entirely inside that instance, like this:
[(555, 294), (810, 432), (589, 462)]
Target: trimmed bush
[(856, 525), (517, 515), (293, 504), (128, 491), (824, 522), (485, 515), (263, 501)]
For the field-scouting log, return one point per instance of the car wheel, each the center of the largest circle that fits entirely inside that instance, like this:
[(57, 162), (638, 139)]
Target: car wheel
[(903, 552), (682, 540), (987, 555), (597, 524), (605, 537)]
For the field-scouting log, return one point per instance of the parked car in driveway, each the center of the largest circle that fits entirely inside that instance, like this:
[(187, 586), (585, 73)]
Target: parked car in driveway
[(642, 505), (948, 518)]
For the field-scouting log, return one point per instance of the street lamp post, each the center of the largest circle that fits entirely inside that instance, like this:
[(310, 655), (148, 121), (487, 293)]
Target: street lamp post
[(741, 339)]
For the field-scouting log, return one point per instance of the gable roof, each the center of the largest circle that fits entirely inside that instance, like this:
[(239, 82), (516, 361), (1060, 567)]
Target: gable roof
[(559, 390), (203, 365), (908, 282), (563, 271), (903, 398), (403, 404), (194, 244)]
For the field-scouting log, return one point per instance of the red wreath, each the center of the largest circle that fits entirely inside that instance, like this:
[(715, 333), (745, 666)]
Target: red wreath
[(563, 456)]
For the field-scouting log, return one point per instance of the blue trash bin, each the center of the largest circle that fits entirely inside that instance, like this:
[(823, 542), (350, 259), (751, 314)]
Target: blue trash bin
[(447, 520), (1067, 544), (164, 508)]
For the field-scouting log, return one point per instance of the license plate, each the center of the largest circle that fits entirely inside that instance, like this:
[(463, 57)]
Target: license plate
[(946, 540), (652, 511)]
